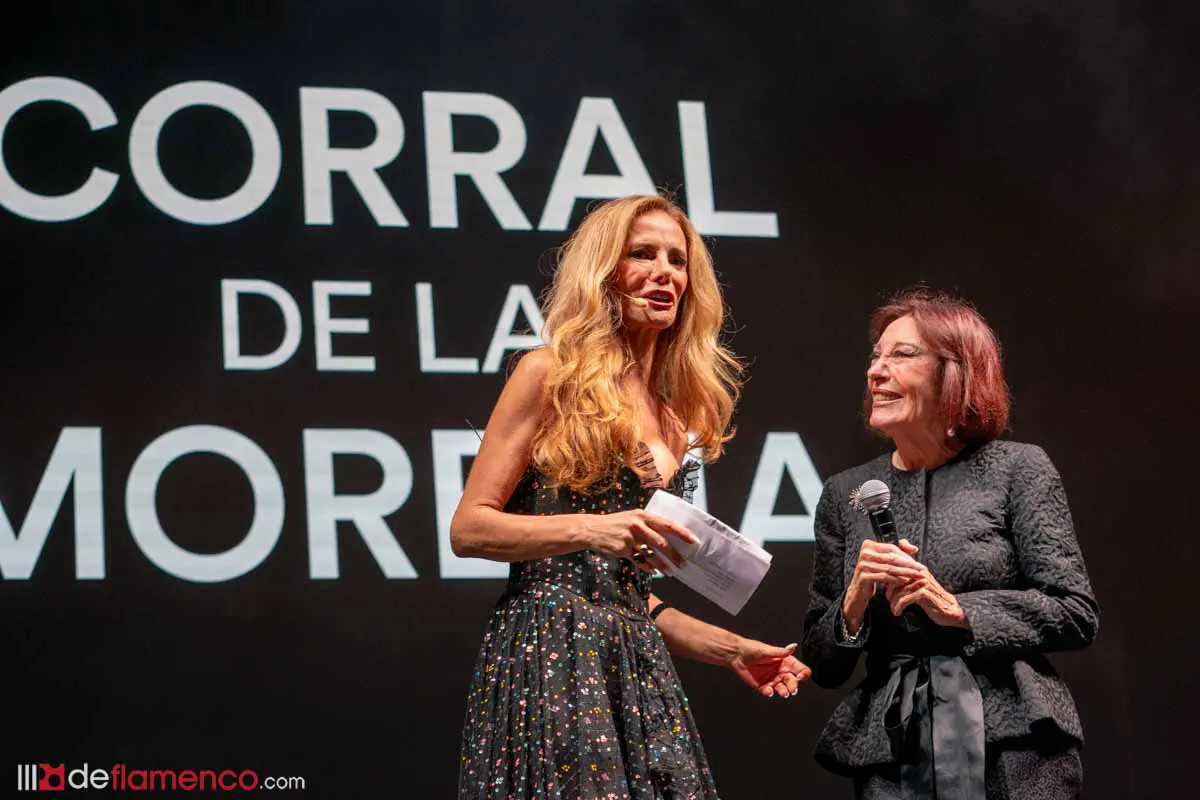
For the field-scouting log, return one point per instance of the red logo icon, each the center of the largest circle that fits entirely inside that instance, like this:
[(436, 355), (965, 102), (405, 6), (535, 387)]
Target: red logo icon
[(52, 779)]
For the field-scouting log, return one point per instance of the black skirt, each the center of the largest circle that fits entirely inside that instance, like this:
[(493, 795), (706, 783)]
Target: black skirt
[(1015, 770)]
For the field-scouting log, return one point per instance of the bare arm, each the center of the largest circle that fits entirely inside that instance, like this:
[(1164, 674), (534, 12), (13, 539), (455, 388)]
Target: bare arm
[(482, 529), (767, 669), (699, 641)]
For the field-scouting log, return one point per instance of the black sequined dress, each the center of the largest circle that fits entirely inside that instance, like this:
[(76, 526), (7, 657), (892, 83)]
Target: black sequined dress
[(574, 695)]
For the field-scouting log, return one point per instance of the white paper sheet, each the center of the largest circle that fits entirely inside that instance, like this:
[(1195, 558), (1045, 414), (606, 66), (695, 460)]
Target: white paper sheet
[(725, 566)]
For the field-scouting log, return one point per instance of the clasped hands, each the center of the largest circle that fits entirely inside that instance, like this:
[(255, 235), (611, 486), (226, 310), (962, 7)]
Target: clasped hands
[(906, 581)]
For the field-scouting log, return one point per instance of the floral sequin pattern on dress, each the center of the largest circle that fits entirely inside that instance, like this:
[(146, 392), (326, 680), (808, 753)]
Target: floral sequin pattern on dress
[(574, 696)]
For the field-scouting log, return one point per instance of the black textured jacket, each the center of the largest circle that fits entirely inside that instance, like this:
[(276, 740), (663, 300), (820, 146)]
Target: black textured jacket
[(994, 528)]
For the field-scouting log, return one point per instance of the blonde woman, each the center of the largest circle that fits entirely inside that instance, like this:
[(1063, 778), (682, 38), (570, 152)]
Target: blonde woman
[(574, 694)]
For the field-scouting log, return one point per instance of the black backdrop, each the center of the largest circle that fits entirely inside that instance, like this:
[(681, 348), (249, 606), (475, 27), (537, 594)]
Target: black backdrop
[(1039, 160)]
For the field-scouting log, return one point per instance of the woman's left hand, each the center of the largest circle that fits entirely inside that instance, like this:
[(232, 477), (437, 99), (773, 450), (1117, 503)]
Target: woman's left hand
[(769, 670), (925, 592)]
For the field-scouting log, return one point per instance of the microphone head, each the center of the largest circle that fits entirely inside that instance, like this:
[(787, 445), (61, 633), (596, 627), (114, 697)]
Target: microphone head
[(873, 495), (640, 302)]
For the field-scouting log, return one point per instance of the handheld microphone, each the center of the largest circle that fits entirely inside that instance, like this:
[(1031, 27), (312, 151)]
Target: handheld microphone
[(873, 499)]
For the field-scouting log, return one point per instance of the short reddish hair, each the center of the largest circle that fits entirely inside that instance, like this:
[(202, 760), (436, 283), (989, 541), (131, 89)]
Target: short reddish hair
[(974, 395)]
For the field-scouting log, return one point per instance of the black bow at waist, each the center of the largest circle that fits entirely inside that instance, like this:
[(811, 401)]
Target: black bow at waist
[(933, 713)]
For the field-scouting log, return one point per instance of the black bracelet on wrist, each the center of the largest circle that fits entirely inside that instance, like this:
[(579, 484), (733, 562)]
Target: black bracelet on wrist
[(658, 609)]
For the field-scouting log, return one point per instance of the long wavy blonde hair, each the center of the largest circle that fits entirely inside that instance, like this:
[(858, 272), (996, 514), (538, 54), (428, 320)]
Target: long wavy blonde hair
[(592, 415)]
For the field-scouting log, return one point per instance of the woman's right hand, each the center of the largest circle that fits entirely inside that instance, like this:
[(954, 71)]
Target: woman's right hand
[(621, 534), (879, 564)]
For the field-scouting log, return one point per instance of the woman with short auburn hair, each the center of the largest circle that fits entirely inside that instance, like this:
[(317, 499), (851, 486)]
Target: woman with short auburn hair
[(956, 614)]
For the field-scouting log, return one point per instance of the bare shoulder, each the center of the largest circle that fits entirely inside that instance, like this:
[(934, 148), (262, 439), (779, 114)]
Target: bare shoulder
[(533, 367), (523, 394)]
